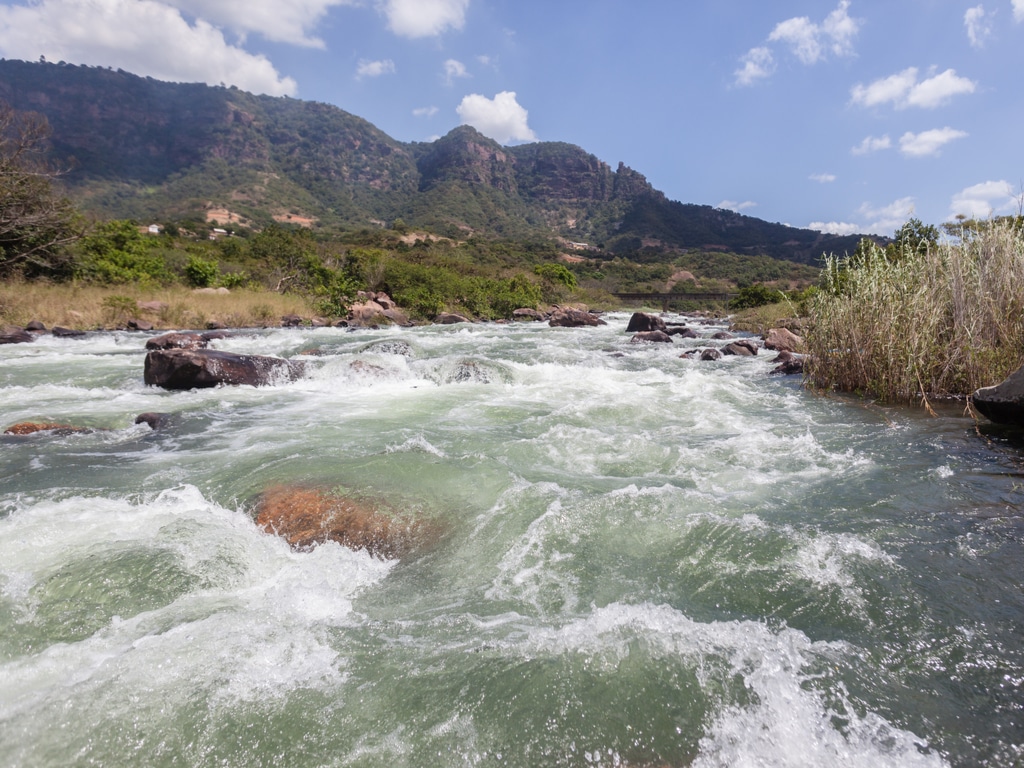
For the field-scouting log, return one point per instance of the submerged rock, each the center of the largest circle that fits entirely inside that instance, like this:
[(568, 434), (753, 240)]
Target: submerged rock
[(184, 340), (31, 427), (787, 364), (651, 336), (66, 333), (527, 314), (450, 318), (199, 368), (1003, 403), (153, 419), (305, 517), (682, 331)]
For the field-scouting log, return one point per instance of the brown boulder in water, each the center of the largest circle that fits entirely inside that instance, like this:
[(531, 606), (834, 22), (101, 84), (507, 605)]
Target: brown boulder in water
[(31, 427), (305, 517), (199, 368)]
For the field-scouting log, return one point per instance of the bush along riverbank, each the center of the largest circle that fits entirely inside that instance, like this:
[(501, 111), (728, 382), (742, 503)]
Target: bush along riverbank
[(921, 319)]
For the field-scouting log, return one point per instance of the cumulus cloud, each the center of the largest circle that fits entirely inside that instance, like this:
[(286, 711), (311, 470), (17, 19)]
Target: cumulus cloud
[(978, 25), (757, 64), (424, 18), (928, 142), (985, 199), (822, 178), (283, 21), (1018, 10), (809, 41), (425, 111), (888, 218), (375, 68), (501, 118), (733, 205), (835, 227), (903, 90), (872, 144), (141, 36), (454, 69)]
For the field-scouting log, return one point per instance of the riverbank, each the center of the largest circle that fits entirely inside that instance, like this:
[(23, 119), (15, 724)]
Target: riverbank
[(89, 307)]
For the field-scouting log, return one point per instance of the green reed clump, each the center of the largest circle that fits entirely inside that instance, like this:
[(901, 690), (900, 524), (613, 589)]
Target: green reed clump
[(905, 323)]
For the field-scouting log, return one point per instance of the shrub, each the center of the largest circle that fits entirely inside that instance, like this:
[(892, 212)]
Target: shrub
[(757, 295), (200, 272), (116, 253)]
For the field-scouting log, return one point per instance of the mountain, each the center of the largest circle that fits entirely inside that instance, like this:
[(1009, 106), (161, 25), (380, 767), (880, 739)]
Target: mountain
[(149, 150)]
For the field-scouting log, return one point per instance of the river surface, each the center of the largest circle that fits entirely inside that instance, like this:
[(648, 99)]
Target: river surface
[(646, 561)]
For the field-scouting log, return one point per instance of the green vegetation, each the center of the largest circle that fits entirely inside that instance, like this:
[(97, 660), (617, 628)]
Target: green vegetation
[(921, 318)]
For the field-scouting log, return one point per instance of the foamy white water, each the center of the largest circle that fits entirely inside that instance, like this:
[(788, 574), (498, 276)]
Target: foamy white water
[(648, 561)]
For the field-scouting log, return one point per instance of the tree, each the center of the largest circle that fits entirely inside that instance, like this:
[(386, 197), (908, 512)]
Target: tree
[(913, 237), (36, 222)]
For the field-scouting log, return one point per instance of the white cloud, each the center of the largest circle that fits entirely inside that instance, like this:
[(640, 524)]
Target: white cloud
[(903, 90), (424, 18), (810, 42), (453, 69), (141, 36), (835, 227), (928, 142), (822, 178), (888, 218), (425, 111), (757, 64), (1018, 10), (872, 144), (501, 118), (732, 205), (283, 21), (375, 68), (983, 200), (978, 25)]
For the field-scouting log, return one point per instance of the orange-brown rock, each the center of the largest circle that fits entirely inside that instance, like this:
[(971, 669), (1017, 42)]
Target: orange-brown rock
[(31, 427), (305, 517)]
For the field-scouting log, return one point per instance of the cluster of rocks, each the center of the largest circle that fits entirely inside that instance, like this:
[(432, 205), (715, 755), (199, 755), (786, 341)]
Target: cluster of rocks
[(652, 329), (11, 334)]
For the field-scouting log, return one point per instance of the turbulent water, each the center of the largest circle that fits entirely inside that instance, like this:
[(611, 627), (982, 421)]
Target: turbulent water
[(646, 561)]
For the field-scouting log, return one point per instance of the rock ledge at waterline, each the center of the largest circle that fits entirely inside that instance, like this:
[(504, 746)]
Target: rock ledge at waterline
[(1003, 403)]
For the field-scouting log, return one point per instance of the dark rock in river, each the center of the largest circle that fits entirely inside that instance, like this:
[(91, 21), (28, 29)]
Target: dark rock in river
[(710, 354), (651, 336), (1003, 403), (573, 318), (787, 364), (66, 333), (135, 324), (722, 335), (527, 314), (305, 517), (199, 368), (641, 321), (153, 419), (681, 331), (741, 347), (390, 347), (36, 326), (184, 340), (10, 334)]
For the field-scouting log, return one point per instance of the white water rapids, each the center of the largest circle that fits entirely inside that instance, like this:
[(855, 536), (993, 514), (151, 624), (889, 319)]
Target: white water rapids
[(647, 561)]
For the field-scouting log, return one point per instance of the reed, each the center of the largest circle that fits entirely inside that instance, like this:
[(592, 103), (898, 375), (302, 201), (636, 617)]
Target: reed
[(908, 325), (89, 307)]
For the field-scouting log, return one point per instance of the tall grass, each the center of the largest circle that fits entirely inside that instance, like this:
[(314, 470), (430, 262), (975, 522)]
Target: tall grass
[(910, 325)]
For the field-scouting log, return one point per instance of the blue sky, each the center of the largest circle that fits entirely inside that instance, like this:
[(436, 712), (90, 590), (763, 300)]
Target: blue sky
[(845, 116)]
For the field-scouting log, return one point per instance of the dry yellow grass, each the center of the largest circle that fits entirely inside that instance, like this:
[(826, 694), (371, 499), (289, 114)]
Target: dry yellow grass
[(88, 307)]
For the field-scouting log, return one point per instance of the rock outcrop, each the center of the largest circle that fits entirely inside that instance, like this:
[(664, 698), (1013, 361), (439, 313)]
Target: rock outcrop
[(1003, 403), (741, 347), (200, 368), (783, 340), (305, 517), (10, 334)]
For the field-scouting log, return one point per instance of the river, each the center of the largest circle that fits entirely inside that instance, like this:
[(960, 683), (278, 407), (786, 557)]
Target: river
[(646, 561)]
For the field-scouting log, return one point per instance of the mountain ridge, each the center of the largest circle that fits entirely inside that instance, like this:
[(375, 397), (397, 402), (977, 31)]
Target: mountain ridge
[(151, 150)]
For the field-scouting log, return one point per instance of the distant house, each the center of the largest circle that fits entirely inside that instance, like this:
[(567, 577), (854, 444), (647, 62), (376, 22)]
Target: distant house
[(154, 229), (218, 233)]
